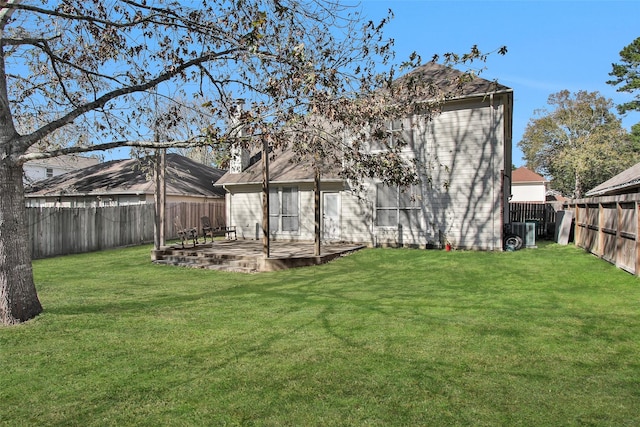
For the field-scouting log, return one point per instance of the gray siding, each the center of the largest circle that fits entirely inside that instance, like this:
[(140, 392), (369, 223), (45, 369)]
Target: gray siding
[(246, 212), (462, 195), (462, 157)]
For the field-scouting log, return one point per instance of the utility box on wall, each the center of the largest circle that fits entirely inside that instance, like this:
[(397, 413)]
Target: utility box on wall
[(526, 231)]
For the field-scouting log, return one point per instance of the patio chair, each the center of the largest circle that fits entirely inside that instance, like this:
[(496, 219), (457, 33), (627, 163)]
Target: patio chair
[(186, 233), (218, 230)]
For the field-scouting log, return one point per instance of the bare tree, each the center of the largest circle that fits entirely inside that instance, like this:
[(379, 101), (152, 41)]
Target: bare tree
[(99, 65), (180, 119)]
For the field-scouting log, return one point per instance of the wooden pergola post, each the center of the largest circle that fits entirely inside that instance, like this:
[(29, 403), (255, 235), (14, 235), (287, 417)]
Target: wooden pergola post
[(266, 249), (318, 216), (159, 197)]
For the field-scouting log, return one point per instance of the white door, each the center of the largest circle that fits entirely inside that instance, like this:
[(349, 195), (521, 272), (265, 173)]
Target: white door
[(331, 216)]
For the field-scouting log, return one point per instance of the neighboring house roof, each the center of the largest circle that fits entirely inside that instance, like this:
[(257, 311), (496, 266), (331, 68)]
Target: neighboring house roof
[(38, 169), (555, 196), (627, 181), (68, 162), (526, 175), (284, 167), (183, 176)]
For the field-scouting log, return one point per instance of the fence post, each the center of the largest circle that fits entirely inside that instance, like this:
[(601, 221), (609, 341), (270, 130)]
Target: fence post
[(618, 243), (577, 232), (637, 232), (600, 230)]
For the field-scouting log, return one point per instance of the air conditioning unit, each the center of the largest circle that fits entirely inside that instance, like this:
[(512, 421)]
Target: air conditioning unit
[(526, 231)]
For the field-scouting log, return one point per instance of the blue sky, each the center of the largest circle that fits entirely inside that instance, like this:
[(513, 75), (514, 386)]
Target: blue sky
[(552, 45)]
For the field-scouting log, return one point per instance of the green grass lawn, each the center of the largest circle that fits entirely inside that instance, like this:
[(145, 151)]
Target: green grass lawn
[(548, 336)]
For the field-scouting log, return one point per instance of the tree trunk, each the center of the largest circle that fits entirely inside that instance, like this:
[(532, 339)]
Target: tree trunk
[(18, 298)]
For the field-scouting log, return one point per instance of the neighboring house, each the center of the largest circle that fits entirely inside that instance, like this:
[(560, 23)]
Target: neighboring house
[(126, 182), (465, 153), (528, 186), (36, 170), (626, 182)]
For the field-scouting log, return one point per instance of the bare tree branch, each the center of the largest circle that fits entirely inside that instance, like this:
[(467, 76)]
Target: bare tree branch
[(25, 141), (76, 17), (195, 141)]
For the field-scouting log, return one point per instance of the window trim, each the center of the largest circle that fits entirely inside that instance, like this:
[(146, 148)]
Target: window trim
[(277, 214), (398, 206), (395, 129)]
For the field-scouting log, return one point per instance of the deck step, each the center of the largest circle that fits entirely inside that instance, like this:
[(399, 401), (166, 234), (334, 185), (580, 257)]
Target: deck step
[(241, 264), (246, 256)]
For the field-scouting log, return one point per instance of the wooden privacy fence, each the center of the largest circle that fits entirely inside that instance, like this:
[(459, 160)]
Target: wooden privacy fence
[(543, 214), (190, 214), (608, 227), (62, 231)]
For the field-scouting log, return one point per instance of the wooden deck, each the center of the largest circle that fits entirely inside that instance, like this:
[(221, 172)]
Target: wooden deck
[(246, 256)]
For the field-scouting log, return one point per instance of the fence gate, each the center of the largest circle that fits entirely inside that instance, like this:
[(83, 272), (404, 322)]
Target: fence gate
[(543, 214)]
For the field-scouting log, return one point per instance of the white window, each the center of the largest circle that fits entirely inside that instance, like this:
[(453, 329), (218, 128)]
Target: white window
[(274, 210), (394, 133), (397, 206), (284, 209), (49, 172), (108, 201)]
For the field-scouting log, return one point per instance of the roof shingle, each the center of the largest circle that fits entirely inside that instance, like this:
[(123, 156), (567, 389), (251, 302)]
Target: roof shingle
[(624, 182), (132, 176), (524, 174)]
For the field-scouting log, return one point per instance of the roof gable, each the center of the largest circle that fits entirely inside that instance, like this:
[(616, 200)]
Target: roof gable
[(454, 83)]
